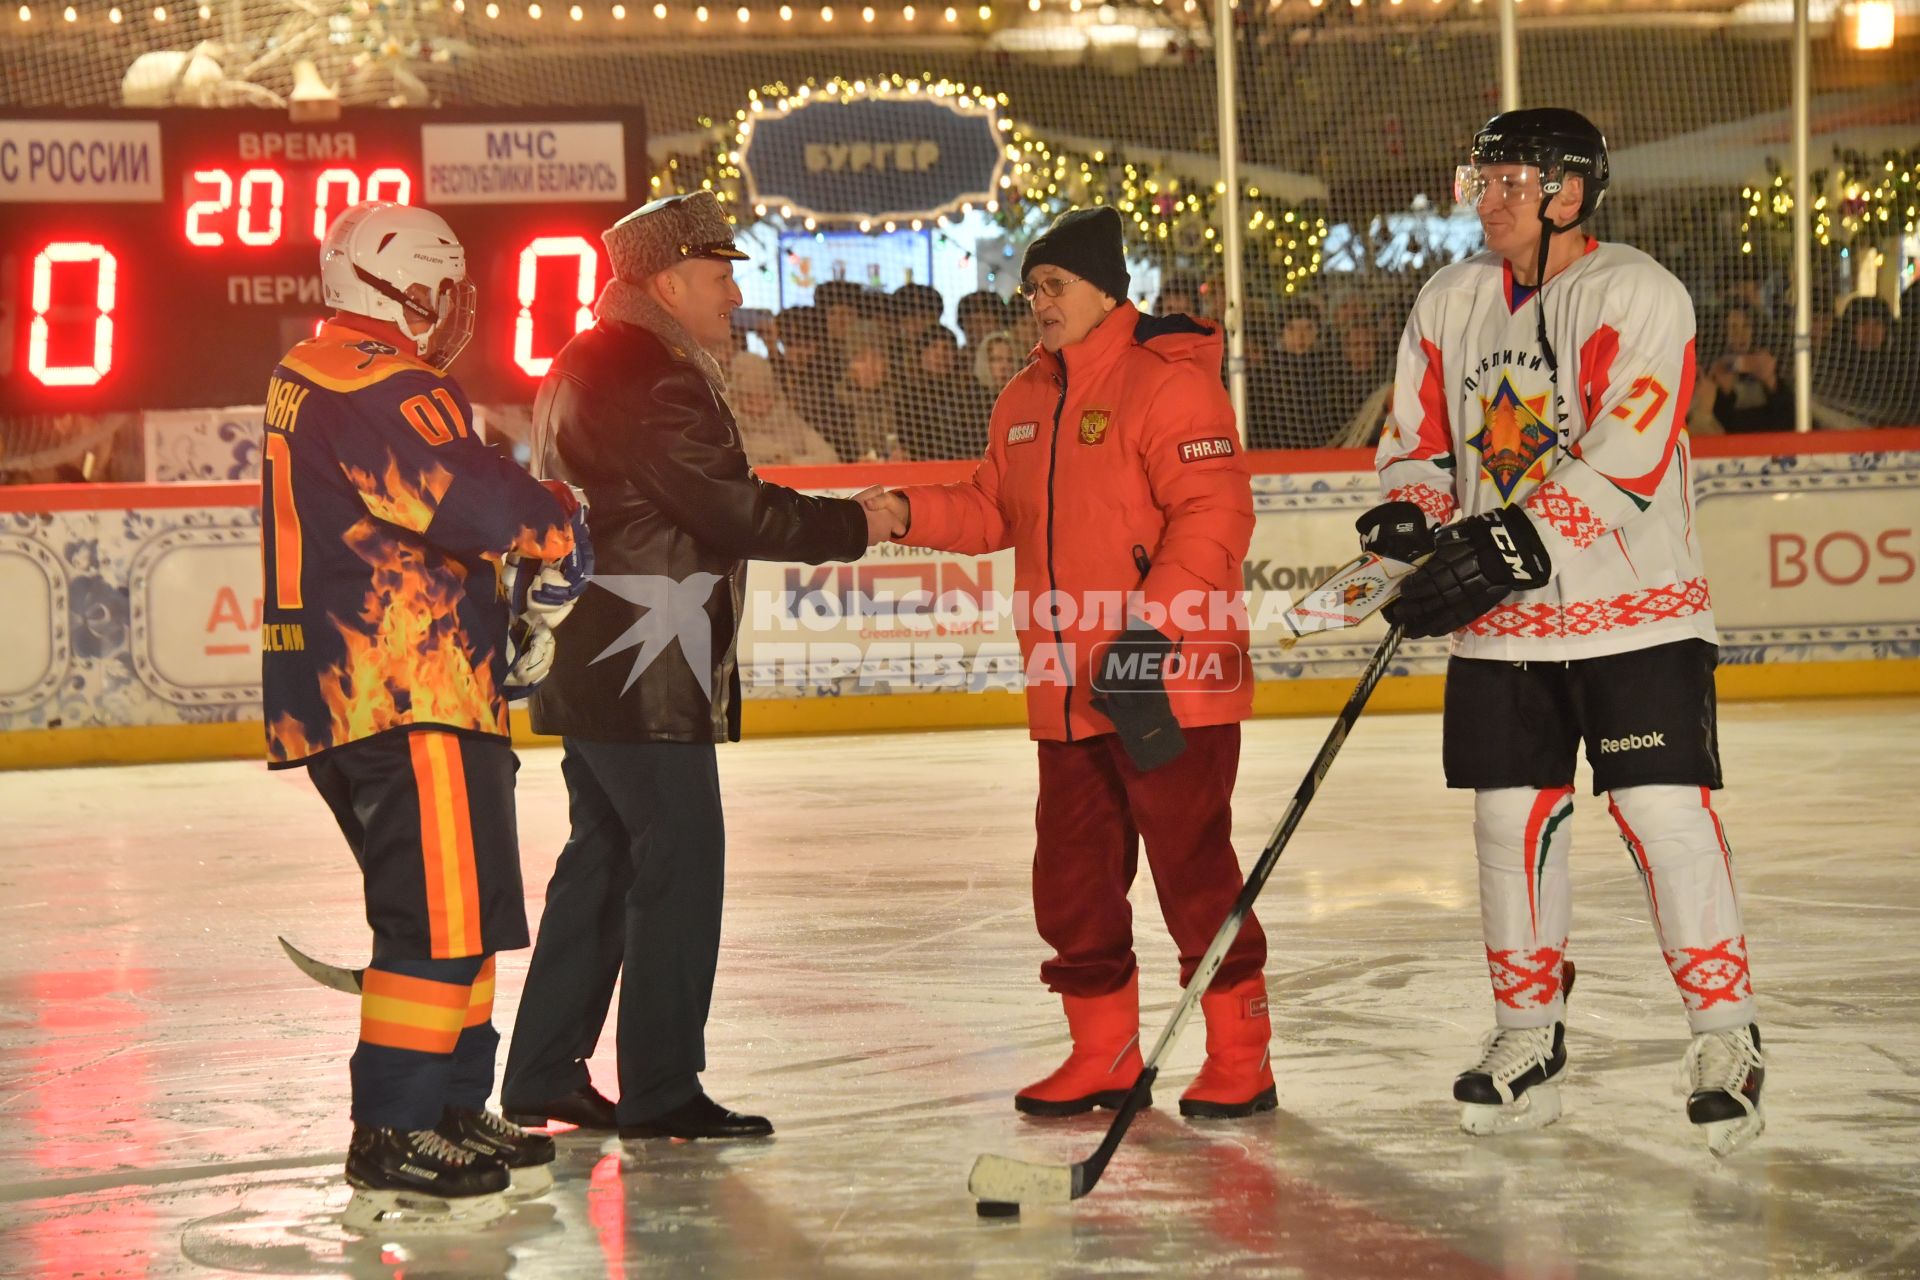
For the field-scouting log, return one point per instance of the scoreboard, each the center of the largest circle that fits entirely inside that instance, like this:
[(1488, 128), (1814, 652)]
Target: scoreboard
[(166, 259)]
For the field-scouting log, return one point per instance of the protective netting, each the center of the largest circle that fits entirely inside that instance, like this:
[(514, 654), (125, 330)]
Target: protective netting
[(891, 341), (69, 448)]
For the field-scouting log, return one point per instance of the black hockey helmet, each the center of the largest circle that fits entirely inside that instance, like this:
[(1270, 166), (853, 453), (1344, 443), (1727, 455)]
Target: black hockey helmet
[(1554, 140)]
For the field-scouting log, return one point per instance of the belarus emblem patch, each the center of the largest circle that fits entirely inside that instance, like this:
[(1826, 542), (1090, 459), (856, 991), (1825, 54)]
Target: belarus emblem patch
[(1093, 425), (1514, 439)]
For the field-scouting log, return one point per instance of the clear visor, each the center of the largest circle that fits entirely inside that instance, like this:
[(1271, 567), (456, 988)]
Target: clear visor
[(453, 327), (1506, 184)]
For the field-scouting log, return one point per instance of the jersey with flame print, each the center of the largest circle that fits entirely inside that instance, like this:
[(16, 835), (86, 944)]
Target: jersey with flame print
[(1600, 463), (384, 519)]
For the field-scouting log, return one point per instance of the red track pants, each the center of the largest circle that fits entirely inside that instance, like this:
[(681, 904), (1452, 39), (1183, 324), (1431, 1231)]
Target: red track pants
[(1094, 810)]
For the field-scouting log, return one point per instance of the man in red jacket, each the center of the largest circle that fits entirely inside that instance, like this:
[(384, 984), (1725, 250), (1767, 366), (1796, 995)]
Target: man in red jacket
[(1114, 471)]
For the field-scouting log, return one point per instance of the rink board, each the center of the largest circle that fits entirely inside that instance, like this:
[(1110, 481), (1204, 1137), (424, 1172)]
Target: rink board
[(132, 621)]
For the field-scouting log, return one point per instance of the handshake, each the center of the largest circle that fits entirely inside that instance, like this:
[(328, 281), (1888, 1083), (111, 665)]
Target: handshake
[(888, 513)]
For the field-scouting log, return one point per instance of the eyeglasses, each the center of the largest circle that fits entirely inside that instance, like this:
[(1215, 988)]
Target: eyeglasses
[(1052, 286)]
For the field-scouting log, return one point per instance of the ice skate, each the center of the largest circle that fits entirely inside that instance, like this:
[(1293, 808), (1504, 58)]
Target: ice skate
[(419, 1181), (1514, 1086), (528, 1156), (1722, 1074)]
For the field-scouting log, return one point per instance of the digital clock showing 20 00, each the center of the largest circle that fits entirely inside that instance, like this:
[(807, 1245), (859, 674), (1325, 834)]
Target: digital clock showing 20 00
[(167, 259)]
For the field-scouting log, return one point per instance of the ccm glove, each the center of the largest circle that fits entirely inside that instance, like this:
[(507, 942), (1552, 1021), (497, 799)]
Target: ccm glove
[(546, 590), (1476, 563), (1397, 531), (1130, 690), (530, 651)]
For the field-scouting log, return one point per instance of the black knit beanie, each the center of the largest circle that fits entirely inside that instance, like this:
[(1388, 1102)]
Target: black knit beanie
[(1087, 243)]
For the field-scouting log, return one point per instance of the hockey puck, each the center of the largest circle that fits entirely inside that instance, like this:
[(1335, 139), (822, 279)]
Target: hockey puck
[(997, 1209)]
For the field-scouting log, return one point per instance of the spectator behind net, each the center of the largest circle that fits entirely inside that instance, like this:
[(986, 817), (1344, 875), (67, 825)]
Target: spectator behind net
[(1179, 296), (1360, 367), (809, 370), (1750, 389), (1300, 415), (942, 411), (1000, 357), (839, 303), (867, 397), (981, 315), (1863, 377), (774, 434), (917, 309)]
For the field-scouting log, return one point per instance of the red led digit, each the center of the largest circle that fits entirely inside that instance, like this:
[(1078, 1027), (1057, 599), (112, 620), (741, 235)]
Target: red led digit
[(575, 247), (199, 210), (276, 186), (349, 183), (399, 187), (106, 288)]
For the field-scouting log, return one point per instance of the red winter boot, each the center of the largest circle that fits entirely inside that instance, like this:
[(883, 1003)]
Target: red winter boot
[(1237, 1079), (1105, 1060)]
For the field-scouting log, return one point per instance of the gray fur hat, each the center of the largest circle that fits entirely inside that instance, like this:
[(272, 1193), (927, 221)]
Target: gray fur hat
[(667, 232)]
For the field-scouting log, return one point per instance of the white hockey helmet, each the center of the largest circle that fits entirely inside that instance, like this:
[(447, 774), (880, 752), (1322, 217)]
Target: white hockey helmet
[(401, 264)]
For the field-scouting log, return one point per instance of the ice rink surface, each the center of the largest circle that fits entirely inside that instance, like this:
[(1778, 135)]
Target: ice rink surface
[(173, 1095)]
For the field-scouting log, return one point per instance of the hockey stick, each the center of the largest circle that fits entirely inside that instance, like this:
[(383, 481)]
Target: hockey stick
[(1000, 1180), (327, 975)]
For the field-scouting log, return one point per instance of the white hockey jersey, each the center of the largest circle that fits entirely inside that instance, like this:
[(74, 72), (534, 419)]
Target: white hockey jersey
[(1600, 461)]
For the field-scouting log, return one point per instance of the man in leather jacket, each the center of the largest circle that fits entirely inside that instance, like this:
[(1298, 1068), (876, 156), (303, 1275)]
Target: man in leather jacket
[(645, 680)]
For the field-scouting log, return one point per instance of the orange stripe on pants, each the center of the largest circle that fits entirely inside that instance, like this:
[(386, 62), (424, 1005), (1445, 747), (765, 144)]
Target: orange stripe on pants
[(421, 991), (446, 845), (480, 1006), (400, 1035), (402, 1012)]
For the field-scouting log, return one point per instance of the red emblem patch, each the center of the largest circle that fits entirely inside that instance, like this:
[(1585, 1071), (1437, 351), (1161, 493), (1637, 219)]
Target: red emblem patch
[(1202, 450)]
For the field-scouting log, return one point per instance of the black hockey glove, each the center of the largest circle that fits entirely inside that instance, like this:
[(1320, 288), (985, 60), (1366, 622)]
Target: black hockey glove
[(1476, 563), (1129, 688), (1396, 530)]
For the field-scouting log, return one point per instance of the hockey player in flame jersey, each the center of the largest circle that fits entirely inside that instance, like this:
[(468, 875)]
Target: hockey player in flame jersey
[(1541, 428), (385, 523)]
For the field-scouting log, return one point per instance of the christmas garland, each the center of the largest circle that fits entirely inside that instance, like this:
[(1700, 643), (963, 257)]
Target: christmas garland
[(1176, 219), (1870, 197)]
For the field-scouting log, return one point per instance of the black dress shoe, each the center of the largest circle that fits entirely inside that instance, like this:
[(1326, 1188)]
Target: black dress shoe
[(699, 1117), (584, 1108)]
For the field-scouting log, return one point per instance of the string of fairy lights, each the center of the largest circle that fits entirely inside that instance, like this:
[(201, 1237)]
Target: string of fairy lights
[(1861, 196), (766, 17), (1176, 217), (826, 15), (113, 15)]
